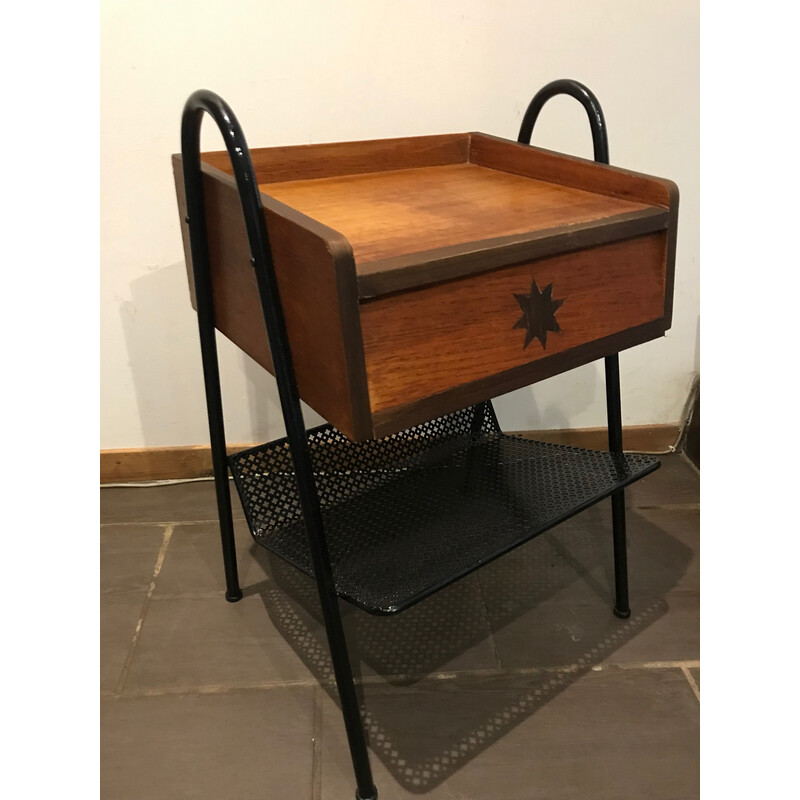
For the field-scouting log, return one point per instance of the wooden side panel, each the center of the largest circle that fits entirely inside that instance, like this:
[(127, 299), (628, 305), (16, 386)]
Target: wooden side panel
[(303, 162), (459, 338), (317, 282)]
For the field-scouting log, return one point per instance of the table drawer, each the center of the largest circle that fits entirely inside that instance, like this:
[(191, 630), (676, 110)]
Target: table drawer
[(459, 342)]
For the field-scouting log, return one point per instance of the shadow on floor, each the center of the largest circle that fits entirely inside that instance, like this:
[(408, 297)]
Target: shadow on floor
[(570, 566)]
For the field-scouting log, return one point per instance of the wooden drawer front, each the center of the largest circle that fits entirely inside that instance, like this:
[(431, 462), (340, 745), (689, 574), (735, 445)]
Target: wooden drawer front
[(428, 341)]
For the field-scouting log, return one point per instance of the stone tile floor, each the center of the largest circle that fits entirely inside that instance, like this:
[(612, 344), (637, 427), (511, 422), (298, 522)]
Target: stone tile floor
[(515, 683)]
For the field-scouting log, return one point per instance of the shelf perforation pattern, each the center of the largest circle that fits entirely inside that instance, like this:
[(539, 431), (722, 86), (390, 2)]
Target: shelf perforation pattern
[(409, 514)]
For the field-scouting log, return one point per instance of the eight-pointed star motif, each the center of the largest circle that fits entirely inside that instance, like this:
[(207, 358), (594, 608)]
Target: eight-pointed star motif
[(538, 314)]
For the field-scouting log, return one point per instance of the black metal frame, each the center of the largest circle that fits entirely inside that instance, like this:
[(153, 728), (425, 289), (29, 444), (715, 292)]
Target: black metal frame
[(597, 123), (207, 102), (261, 259)]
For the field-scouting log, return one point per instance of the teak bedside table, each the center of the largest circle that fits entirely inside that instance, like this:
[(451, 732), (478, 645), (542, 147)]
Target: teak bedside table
[(396, 286)]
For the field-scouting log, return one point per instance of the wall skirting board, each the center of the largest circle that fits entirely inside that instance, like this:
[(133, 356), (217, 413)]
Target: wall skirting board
[(174, 463)]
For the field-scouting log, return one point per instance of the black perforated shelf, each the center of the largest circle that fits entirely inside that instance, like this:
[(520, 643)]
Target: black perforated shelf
[(409, 514)]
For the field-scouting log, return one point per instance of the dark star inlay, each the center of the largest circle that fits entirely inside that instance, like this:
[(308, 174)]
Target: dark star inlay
[(538, 314)]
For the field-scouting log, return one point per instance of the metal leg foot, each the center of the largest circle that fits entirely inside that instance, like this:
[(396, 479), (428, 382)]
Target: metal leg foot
[(233, 592), (621, 605), (373, 796)]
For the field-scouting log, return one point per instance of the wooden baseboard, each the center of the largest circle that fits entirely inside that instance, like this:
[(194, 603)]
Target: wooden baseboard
[(158, 463), (635, 438), (174, 463)]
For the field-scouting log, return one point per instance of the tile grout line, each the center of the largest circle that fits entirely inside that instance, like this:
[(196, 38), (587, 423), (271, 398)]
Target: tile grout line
[(497, 661), (679, 663), (162, 552), (208, 689), (689, 461), (212, 689), (164, 523), (692, 682), (316, 746), (668, 507)]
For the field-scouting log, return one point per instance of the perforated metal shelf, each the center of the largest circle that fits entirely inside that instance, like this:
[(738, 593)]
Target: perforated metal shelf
[(409, 514)]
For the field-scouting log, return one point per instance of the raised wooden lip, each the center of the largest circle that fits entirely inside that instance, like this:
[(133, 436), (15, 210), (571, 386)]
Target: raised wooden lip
[(318, 160), (426, 267)]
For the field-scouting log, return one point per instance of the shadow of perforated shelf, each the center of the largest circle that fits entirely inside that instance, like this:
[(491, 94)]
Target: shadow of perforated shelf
[(408, 514)]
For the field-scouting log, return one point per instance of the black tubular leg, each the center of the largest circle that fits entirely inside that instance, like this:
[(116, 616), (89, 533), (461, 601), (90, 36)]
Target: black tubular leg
[(614, 408), (195, 209), (208, 347), (600, 143), (261, 259)]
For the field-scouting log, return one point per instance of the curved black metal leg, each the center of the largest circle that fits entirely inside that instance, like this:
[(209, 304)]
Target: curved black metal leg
[(208, 347), (207, 102), (600, 143), (195, 208)]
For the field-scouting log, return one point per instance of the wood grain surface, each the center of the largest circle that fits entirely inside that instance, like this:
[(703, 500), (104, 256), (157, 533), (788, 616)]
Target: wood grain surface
[(427, 341), (316, 280), (388, 214), (564, 170), (402, 273), (311, 161), (398, 262), (405, 415), (547, 165)]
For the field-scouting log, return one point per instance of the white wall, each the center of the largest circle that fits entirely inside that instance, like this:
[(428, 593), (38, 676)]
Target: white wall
[(319, 71)]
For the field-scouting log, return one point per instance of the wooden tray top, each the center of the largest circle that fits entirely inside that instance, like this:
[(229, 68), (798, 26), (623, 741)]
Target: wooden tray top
[(406, 226)]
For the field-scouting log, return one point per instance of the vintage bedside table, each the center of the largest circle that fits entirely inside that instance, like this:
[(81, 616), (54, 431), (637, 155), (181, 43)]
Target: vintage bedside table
[(396, 286)]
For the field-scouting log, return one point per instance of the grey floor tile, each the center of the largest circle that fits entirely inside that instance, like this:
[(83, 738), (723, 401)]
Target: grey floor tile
[(574, 561), (675, 482), (189, 642), (181, 502), (193, 562), (448, 632), (128, 556), (551, 599), (555, 634), (663, 548), (118, 617), (670, 631), (614, 735), (247, 745)]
